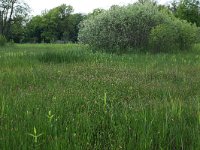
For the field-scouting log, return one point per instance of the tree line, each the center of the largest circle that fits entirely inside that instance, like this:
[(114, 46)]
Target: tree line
[(61, 24)]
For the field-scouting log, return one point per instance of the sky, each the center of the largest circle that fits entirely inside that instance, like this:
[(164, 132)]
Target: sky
[(80, 6)]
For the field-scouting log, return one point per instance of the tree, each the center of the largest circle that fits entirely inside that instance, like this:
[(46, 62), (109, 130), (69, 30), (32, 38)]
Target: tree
[(34, 29), (187, 10), (147, 1), (10, 12), (173, 6), (73, 27), (17, 30), (96, 12), (56, 24)]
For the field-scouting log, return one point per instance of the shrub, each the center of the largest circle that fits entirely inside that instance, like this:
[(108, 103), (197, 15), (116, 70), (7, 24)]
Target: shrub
[(2, 40), (163, 38), (137, 26), (198, 35), (174, 35), (187, 34), (122, 27)]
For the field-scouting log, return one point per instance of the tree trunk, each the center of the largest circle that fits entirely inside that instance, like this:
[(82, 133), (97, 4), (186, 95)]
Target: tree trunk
[(8, 26)]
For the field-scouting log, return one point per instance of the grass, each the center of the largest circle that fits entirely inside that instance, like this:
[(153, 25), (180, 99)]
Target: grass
[(66, 97)]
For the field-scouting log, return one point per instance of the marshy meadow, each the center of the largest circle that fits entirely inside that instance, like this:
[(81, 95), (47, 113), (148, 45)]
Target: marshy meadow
[(124, 78)]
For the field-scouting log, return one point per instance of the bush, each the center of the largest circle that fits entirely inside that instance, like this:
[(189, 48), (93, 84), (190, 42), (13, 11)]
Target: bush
[(198, 35), (175, 35), (121, 28), (163, 38), (187, 34), (2, 40), (137, 26)]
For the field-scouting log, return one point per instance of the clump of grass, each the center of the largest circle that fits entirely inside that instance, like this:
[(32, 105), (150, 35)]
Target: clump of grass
[(67, 56)]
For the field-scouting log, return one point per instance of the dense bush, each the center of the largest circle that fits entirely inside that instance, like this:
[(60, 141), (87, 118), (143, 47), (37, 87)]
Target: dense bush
[(163, 37), (2, 40), (175, 35), (198, 35), (136, 26), (122, 27), (187, 34)]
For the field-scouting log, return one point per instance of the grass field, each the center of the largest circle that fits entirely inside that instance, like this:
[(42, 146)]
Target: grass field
[(66, 97)]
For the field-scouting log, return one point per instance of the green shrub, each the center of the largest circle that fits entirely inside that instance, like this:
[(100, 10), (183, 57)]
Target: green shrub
[(163, 38), (187, 34), (137, 26), (198, 35), (122, 27), (2, 40), (175, 35)]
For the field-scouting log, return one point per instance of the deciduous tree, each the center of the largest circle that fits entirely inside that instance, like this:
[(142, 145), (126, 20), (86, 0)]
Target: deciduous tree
[(10, 12)]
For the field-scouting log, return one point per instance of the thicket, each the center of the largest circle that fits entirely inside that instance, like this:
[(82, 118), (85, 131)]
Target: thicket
[(137, 26), (174, 35)]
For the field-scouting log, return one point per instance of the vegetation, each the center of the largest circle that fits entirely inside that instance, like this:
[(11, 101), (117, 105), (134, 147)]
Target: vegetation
[(56, 24), (174, 35), (122, 27), (71, 96), (128, 26), (13, 13), (2, 40), (98, 101), (187, 10), (137, 26)]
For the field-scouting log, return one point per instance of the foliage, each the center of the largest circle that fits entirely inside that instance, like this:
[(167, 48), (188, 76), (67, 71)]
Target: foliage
[(163, 38), (34, 29), (2, 40), (187, 10), (187, 35), (56, 24), (122, 27), (154, 2), (198, 35), (95, 12), (133, 26), (17, 30), (175, 35), (13, 14)]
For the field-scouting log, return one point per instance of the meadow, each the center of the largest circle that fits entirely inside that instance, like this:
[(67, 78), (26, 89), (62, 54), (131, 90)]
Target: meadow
[(67, 97)]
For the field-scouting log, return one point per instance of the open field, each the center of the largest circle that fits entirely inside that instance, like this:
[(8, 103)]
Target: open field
[(66, 97)]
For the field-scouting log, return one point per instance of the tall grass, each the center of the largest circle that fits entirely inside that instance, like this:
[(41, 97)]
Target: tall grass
[(66, 97)]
